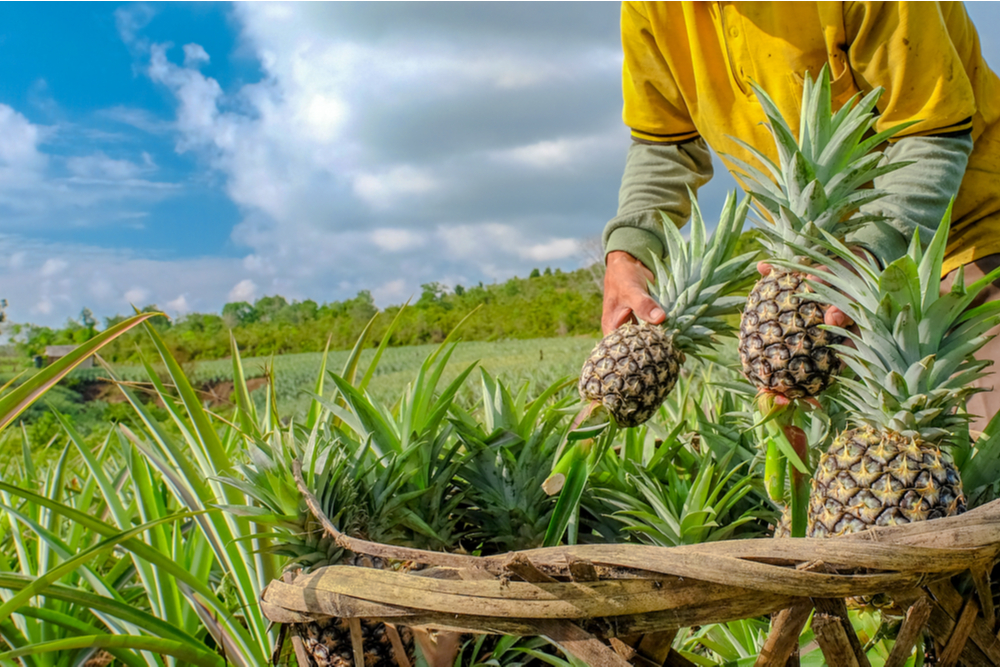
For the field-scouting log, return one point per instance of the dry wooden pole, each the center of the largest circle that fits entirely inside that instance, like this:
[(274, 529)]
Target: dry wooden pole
[(960, 634), (981, 578), (837, 607), (656, 646), (783, 639), (402, 660), (832, 639), (984, 649), (913, 624), (357, 642)]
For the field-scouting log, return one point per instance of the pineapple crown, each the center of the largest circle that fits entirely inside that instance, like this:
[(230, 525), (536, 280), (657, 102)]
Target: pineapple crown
[(821, 177), (914, 351), (695, 290)]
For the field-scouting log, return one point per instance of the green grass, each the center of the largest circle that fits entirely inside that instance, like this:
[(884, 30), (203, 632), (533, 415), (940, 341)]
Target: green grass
[(539, 361)]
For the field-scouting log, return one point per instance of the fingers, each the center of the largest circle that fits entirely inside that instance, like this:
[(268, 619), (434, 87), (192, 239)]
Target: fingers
[(835, 317), (763, 268), (625, 294)]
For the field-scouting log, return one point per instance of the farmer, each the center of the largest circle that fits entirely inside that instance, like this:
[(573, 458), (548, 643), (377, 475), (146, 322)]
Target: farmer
[(686, 79)]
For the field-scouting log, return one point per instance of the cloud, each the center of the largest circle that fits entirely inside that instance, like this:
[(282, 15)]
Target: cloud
[(396, 240), (53, 266), (245, 290)]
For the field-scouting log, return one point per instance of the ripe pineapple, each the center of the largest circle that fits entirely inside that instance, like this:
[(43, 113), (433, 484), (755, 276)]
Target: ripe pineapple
[(913, 367), (817, 184), (632, 369)]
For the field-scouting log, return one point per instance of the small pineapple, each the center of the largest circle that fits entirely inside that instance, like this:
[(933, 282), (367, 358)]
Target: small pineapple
[(818, 183), (913, 365), (632, 369), (297, 534)]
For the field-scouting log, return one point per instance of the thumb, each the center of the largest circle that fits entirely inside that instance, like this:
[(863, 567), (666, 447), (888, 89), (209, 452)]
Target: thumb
[(647, 309)]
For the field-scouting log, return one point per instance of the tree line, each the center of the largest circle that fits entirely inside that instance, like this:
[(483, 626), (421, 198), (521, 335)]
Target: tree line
[(546, 304)]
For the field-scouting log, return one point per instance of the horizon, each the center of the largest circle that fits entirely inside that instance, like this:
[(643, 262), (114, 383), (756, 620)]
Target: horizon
[(191, 155)]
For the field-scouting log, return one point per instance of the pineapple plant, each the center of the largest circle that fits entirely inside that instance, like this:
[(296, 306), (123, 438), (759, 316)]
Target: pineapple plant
[(633, 369), (913, 367), (819, 182), (339, 483)]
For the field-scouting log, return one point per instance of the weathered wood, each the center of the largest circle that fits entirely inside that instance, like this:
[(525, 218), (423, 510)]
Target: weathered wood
[(300, 650), (959, 634), (398, 649), (984, 647), (521, 565), (656, 646), (573, 639), (580, 569), (981, 578), (783, 638), (675, 659), (357, 641), (838, 608), (832, 639), (909, 632)]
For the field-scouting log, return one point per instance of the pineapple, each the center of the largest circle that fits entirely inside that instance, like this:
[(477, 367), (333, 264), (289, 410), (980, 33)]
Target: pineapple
[(632, 369), (819, 181), (297, 534), (913, 367)]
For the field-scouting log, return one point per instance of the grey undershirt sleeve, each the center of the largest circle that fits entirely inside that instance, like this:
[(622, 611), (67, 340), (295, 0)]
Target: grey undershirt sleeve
[(656, 178), (920, 193)]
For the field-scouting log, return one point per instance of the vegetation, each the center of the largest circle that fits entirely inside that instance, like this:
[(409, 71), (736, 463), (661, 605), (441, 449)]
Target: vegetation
[(549, 304)]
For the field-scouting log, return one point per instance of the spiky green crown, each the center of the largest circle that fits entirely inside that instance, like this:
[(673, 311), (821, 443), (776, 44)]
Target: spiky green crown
[(820, 177), (694, 291), (914, 351)]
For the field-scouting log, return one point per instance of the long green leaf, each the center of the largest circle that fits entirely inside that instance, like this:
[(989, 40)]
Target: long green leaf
[(18, 400)]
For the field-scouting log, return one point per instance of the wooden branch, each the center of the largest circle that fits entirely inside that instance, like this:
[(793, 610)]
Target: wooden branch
[(984, 647), (398, 649), (357, 641), (960, 634), (838, 608), (574, 639), (981, 578), (301, 656), (783, 638), (581, 569), (832, 639), (656, 646), (913, 624)]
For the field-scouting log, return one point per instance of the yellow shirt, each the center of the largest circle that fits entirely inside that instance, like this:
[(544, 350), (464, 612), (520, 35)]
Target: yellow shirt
[(688, 65)]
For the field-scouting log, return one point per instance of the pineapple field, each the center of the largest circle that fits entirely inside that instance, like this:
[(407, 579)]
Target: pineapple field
[(748, 483)]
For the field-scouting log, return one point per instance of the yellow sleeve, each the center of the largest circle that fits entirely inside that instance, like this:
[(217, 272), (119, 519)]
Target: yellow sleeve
[(654, 108), (906, 48)]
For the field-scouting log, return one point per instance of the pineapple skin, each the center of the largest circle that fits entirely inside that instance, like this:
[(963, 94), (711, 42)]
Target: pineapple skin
[(631, 371), (327, 642), (881, 478), (782, 349)]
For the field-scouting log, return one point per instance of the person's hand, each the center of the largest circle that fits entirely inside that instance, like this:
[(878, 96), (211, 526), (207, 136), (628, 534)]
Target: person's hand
[(625, 293)]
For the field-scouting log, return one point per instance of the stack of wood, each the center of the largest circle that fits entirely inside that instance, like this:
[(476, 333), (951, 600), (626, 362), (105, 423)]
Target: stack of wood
[(623, 604)]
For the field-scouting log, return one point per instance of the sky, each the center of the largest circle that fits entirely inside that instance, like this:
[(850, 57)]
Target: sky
[(188, 155)]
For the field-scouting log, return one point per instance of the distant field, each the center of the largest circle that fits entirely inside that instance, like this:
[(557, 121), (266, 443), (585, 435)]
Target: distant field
[(540, 361)]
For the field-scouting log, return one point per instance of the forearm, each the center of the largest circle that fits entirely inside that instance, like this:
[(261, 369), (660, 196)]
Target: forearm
[(656, 178), (919, 193)]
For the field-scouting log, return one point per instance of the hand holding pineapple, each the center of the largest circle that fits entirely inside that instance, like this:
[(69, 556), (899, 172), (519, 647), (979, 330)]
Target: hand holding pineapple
[(626, 296)]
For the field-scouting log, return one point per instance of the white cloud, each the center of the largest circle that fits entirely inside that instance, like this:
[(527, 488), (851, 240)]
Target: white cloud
[(386, 189), (392, 292), (245, 290), (396, 240), (195, 55), (136, 296), (179, 305), (53, 266), (100, 166), (471, 240)]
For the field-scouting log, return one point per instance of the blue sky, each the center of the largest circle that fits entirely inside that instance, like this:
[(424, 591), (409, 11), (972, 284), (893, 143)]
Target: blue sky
[(189, 154)]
